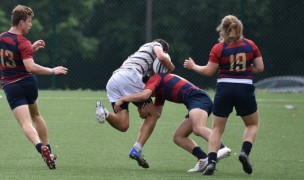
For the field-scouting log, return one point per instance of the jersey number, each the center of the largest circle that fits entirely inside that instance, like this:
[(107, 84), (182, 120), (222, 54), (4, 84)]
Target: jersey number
[(238, 62), (7, 62)]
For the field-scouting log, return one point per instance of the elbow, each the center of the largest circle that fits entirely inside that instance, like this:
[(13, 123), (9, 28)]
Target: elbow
[(171, 68), (29, 69), (259, 69), (208, 73), (145, 97)]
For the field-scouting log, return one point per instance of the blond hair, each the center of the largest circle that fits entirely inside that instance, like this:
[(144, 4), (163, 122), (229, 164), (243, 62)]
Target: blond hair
[(230, 29), (19, 13)]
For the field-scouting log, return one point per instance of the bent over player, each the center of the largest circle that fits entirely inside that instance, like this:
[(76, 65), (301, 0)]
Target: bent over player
[(179, 90)]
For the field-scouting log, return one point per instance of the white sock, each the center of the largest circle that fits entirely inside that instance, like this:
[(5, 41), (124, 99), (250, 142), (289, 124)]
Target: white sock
[(138, 146)]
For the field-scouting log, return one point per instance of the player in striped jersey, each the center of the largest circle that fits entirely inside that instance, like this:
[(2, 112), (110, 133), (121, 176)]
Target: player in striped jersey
[(127, 80), (237, 58), (19, 82), (179, 90)]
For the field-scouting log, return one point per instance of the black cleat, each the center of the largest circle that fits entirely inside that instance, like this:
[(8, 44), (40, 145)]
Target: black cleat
[(210, 169), (139, 158), (245, 162)]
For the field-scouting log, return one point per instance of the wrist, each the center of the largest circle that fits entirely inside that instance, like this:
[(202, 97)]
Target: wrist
[(53, 72)]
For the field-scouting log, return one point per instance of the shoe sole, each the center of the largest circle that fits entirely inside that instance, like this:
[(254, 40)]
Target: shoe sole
[(246, 165), (47, 158), (100, 117), (223, 156), (139, 161), (202, 170), (209, 171)]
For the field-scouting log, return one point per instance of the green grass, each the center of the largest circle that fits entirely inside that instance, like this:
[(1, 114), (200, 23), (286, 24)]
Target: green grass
[(89, 150)]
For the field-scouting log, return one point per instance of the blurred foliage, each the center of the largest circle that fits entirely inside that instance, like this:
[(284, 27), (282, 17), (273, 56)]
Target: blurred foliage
[(93, 37)]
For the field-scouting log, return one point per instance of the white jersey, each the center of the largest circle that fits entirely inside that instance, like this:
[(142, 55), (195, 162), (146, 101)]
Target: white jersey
[(142, 59)]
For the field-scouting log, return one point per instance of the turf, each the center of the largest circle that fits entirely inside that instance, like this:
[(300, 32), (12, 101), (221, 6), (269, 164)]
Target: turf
[(89, 150)]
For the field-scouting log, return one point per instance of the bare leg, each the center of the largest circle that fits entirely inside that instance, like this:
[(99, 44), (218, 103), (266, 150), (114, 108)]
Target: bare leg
[(218, 127), (23, 117), (252, 125), (181, 134), (119, 121), (149, 123), (39, 122), (196, 123)]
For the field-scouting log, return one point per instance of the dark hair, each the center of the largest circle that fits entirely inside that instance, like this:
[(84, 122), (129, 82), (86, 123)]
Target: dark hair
[(164, 44), (19, 13)]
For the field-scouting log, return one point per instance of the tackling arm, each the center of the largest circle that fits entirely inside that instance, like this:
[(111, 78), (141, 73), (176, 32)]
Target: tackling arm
[(161, 55)]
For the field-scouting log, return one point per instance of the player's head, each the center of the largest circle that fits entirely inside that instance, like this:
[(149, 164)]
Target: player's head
[(164, 44), (230, 29), (21, 13)]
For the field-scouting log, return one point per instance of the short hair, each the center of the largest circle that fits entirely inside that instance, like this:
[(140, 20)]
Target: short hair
[(19, 13), (164, 44), (231, 28)]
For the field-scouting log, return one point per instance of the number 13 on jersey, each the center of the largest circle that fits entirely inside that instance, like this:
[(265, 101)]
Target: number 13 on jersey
[(6, 58)]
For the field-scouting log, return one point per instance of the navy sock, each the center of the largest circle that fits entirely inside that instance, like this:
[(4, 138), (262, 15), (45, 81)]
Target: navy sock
[(199, 153), (38, 147), (247, 147), (222, 146), (212, 156)]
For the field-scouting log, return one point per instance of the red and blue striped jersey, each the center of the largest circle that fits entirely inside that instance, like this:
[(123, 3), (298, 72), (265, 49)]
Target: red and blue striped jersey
[(235, 60), (169, 87), (14, 48)]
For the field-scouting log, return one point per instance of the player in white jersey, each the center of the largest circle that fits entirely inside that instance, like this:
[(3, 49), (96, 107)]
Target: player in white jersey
[(128, 80)]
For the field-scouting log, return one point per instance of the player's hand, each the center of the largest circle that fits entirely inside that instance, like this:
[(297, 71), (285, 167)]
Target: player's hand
[(117, 105), (60, 70), (189, 63), (144, 110), (38, 44)]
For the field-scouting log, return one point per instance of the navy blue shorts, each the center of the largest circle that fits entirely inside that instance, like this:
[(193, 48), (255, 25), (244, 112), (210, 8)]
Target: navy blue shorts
[(21, 92), (229, 95), (199, 99)]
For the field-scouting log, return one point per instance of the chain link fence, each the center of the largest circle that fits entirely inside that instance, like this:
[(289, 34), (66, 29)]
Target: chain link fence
[(93, 37)]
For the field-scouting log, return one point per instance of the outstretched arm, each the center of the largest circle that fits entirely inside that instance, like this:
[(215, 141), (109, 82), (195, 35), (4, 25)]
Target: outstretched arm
[(34, 68), (207, 70), (138, 97)]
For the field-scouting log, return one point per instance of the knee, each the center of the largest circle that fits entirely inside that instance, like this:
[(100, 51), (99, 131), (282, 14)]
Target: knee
[(124, 128), (177, 138), (196, 131), (35, 116)]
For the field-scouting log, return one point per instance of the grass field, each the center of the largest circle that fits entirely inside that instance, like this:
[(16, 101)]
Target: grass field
[(89, 150)]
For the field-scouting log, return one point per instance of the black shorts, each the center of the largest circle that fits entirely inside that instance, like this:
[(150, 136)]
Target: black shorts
[(21, 92), (199, 99), (229, 95), (137, 104)]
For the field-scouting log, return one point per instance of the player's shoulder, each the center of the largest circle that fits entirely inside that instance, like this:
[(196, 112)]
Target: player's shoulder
[(249, 41), (219, 45), (22, 38), (1, 34)]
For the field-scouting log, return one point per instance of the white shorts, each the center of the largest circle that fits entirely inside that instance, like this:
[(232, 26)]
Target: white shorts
[(123, 83)]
